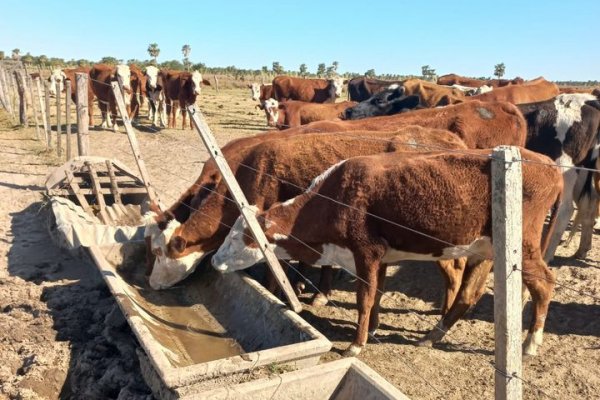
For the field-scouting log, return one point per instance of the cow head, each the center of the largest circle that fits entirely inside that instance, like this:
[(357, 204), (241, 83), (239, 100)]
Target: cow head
[(255, 88), (197, 82), (483, 89), (271, 107), (57, 76), (152, 76), (338, 84), (123, 73), (388, 102)]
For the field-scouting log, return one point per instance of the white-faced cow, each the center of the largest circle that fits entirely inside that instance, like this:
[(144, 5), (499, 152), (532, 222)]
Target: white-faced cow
[(181, 89), (101, 76), (157, 108), (368, 212), (62, 75), (310, 90)]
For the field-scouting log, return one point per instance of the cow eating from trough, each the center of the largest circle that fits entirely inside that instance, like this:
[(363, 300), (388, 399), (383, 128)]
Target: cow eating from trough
[(101, 77), (370, 211)]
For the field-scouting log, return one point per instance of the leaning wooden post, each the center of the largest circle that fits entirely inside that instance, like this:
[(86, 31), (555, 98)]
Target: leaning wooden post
[(135, 147), (240, 200), (33, 105), (58, 125), (3, 96), (83, 119), (507, 231), (48, 123), (7, 92), (22, 99), (216, 83), (68, 116), (42, 108)]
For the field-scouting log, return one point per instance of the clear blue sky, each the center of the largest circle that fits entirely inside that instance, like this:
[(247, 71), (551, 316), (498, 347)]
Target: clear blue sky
[(556, 39)]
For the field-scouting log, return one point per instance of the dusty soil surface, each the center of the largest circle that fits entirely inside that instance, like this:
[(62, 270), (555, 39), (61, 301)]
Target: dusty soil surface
[(61, 334)]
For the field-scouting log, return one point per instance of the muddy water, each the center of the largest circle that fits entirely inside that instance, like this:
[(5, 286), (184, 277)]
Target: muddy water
[(187, 331)]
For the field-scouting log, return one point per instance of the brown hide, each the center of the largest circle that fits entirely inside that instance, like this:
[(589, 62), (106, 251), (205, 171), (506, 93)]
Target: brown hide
[(309, 90), (179, 93), (431, 94), (529, 92), (102, 75), (475, 122), (453, 79), (138, 90), (296, 113), (70, 74)]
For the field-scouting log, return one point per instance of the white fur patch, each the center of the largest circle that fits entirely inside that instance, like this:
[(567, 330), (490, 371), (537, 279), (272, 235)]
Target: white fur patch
[(393, 86), (152, 74), (124, 73), (196, 82), (323, 176), (338, 83), (568, 107), (255, 91)]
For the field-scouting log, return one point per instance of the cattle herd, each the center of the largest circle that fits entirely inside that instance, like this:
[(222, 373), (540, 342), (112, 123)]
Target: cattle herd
[(400, 171)]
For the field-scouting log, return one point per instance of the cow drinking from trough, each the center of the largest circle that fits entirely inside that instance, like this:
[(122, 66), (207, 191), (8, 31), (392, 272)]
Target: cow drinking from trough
[(367, 212)]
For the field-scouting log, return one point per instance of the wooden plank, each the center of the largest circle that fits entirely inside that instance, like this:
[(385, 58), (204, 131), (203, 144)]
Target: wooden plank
[(33, 105), (68, 117), (135, 147), (83, 119), (84, 191), (3, 95), (240, 199), (114, 188), (7, 92), (42, 108), (58, 125), (48, 123), (507, 231), (76, 190), (106, 179), (20, 81), (98, 192)]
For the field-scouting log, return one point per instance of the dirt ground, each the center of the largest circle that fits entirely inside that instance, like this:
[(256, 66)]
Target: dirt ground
[(61, 335)]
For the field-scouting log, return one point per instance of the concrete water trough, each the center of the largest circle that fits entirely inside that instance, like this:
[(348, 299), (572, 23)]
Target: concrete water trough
[(345, 379), (211, 325)]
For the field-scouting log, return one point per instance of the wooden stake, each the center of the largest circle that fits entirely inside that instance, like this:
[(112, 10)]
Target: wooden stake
[(7, 92), (135, 147), (216, 85), (42, 108), (83, 119), (68, 116), (48, 123), (507, 231), (98, 192), (114, 187), (20, 80), (33, 105), (240, 200), (58, 125)]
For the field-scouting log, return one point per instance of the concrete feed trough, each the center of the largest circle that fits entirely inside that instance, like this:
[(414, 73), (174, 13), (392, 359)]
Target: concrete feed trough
[(345, 379), (209, 326)]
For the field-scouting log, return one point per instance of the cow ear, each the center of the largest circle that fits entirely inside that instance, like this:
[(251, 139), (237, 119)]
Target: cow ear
[(206, 82), (178, 244), (260, 107), (345, 81)]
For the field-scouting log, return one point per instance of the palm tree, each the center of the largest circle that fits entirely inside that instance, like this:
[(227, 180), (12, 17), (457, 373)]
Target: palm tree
[(154, 51), (321, 70), (303, 70), (186, 49), (499, 70)]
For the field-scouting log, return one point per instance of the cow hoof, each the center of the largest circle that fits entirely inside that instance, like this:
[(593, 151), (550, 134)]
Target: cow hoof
[(299, 288), (352, 351), (319, 300), (581, 254), (434, 336)]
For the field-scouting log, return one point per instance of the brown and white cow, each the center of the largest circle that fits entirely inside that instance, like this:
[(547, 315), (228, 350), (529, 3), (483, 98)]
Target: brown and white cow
[(453, 79), (310, 90), (531, 91), (368, 212), (273, 171), (431, 94), (61, 75), (261, 92), (157, 107), (181, 89), (138, 91), (101, 77), (294, 113), (362, 88)]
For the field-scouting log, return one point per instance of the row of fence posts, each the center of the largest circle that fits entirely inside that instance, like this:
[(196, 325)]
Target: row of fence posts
[(17, 83)]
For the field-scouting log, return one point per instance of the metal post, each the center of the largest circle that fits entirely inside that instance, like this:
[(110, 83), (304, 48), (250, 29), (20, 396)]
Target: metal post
[(507, 231)]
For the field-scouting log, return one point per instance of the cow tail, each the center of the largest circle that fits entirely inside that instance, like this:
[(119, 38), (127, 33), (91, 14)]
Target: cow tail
[(552, 224)]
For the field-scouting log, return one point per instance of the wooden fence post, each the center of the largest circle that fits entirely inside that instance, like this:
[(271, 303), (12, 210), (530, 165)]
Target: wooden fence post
[(135, 147), (33, 104), (240, 200), (507, 231), (83, 119), (68, 116), (48, 123), (5, 104), (7, 92), (20, 80), (42, 108), (216, 83), (58, 125)]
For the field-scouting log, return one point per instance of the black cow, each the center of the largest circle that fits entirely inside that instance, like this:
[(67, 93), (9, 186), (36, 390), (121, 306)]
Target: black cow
[(387, 102), (362, 88)]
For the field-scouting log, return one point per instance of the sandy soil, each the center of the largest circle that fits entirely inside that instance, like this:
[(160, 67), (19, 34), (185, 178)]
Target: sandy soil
[(61, 334)]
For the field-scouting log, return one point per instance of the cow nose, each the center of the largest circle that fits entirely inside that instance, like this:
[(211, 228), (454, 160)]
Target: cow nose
[(348, 113)]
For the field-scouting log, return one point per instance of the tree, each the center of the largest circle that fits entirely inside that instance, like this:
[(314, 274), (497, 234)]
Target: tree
[(154, 51), (321, 70), (335, 66), (27, 58), (330, 71), (427, 72), (303, 70), (370, 73), (277, 68), (1, 55), (109, 60), (499, 70), (199, 67), (16, 54), (186, 49), (172, 64)]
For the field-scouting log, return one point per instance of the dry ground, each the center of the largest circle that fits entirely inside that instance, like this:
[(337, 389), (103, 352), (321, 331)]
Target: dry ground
[(62, 336)]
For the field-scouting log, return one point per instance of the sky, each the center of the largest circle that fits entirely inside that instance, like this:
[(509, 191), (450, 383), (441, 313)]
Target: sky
[(554, 39)]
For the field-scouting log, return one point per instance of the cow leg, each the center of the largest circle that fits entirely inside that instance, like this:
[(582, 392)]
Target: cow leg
[(163, 113), (113, 113), (452, 271), (90, 109), (325, 285), (587, 207), (471, 290), (565, 211), (104, 113), (374, 319), (540, 281), (367, 270)]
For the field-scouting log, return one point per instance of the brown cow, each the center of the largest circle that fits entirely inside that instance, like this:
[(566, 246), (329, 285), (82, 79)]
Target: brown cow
[(310, 90), (101, 77), (431, 94), (138, 90), (532, 91), (261, 92), (571, 90), (453, 79), (274, 170), (181, 89), (62, 75), (295, 113), (382, 204)]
